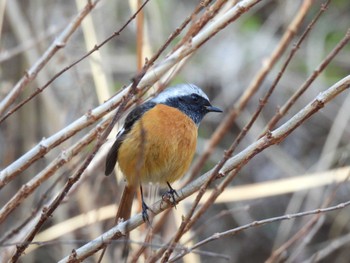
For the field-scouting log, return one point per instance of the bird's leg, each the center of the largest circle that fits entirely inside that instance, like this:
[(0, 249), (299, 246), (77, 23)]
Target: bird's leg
[(171, 195), (144, 207)]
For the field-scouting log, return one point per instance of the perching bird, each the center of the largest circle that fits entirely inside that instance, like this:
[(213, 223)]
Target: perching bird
[(158, 141)]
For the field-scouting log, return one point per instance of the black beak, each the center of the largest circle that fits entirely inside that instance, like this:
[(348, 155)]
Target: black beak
[(211, 108)]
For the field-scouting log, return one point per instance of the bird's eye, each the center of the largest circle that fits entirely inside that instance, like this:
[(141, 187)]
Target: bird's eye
[(195, 97)]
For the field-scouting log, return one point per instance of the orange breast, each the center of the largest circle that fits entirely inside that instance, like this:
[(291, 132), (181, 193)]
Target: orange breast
[(159, 147)]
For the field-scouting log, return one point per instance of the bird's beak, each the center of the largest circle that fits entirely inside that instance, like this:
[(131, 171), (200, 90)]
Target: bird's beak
[(211, 108)]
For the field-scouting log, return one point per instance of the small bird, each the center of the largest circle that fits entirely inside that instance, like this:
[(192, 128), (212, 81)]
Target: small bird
[(158, 141)]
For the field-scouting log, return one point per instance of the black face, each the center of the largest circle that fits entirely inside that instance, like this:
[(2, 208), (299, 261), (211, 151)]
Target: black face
[(193, 105)]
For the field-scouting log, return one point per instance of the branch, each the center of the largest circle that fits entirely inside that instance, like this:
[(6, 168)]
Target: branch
[(59, 43), (291, 101), (237, 230), (62, 159)]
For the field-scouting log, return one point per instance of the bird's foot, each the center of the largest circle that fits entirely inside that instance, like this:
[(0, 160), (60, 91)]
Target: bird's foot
[(170, 195)]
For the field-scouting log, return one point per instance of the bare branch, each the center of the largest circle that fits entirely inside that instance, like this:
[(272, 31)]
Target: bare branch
[(59, 43), (258, 223)]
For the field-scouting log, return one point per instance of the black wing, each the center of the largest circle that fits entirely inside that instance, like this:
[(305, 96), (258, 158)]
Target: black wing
[(132, 117)]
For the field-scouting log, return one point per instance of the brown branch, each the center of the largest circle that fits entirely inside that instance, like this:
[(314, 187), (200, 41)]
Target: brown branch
[(202, 21)]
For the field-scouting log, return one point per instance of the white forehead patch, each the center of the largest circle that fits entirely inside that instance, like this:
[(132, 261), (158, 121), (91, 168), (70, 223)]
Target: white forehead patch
[(179, 91)]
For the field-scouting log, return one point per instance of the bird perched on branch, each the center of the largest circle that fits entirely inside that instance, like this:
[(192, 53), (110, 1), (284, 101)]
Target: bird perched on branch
[(158, 141)]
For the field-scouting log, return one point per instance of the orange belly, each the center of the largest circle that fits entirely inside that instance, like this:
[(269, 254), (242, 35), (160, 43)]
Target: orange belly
[(159, 148)]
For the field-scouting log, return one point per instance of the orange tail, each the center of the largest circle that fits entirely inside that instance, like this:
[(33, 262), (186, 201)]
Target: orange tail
[(125, 205)]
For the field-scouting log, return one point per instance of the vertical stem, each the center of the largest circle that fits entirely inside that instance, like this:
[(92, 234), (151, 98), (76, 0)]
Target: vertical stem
[(139, 38)]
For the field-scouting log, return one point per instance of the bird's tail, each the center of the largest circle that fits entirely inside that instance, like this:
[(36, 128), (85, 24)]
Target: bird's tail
[(125, 205), (124, 212)]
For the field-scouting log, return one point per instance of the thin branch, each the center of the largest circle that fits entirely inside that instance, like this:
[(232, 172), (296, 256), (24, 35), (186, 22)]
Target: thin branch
[(29, 44), (81, 241), (258, 223), (307, 230), (59, 43), (47, 144), (62, 159), (38, 206), (291, 101), (328, 249)]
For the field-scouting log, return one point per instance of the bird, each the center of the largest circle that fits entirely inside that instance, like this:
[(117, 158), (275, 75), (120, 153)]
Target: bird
[(158, 141)]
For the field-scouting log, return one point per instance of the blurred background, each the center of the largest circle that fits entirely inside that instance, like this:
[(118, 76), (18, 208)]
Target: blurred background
[(225, 67)]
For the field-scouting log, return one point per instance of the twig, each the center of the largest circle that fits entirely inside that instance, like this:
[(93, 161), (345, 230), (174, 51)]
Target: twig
[(30, 43), (314, 222), (291, 101), (237, 230), (202, 21), (218, 217), (328, 249), (59, 43), (38, 206), (62, 159), (99, 75), (43, 147)]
